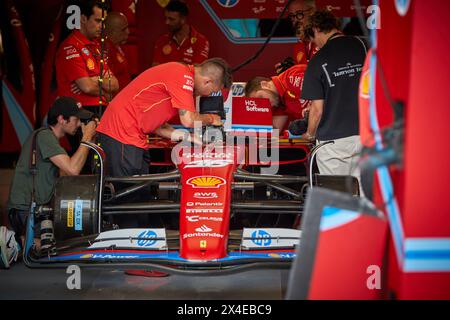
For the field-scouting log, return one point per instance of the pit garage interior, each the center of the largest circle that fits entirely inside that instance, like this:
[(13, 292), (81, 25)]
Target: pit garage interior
[(403, 229)]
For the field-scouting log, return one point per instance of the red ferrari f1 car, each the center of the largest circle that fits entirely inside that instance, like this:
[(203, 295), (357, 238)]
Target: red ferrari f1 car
[(209, 214)]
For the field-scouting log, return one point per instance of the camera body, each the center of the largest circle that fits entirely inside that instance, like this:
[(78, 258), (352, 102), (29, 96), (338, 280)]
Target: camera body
[(212, 105), (85, 121), (285, 64), (300, 126)]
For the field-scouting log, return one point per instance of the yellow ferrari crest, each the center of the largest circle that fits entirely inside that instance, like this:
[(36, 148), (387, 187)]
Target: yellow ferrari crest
[(364, 88), (119, 58), (193, 40), (167, 49), (90, 64), (163, 3)]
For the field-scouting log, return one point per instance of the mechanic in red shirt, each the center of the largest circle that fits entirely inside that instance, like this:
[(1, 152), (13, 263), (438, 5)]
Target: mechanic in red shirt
[(78, 61), (116, 28), (78, 66), (183, 43), (148, 102), (284, 93)]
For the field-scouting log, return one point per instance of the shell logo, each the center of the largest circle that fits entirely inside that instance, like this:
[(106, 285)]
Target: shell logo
[(206, 182)]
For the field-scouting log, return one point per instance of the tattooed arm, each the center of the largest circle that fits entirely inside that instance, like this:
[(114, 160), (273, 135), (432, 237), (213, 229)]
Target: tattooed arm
[(188, 118)]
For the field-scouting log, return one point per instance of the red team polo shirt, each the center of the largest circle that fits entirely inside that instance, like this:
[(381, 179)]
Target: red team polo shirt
[(148, 102), (194, 49), (289, 86), (304, 51), (118, 63), (77, 57)]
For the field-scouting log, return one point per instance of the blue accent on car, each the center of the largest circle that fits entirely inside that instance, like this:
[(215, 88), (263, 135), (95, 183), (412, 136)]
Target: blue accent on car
[(334, 217), (100, 255), (78, 215), (408, 250), (19, 119)]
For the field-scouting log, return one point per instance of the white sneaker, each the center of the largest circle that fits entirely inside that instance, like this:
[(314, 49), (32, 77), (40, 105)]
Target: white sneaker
[(9, 248)]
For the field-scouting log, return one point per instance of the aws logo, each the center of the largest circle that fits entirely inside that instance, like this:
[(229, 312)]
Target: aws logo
[(206, 182), (206, 195)]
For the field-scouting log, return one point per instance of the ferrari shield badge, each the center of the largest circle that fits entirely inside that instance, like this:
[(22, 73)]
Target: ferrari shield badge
[(90, 64), (163, 3), (167, 49), (119, 58)]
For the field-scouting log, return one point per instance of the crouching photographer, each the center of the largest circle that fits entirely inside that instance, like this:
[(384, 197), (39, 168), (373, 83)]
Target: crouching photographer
[(41, 161)]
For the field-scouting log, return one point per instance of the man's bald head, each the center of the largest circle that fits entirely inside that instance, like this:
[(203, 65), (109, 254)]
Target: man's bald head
[(116, 27), (212, 75)]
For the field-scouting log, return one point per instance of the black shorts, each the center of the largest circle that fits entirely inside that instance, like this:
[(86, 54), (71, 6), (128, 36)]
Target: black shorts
[(127, 160), (123, 159)]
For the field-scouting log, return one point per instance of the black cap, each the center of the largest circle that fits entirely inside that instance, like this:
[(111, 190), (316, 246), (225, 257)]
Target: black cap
[(68, 106)]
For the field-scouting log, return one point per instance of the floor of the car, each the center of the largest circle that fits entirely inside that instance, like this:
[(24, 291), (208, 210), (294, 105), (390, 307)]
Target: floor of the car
[(20, 282)]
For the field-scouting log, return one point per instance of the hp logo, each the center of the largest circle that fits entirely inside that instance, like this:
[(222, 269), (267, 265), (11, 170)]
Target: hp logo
[(228, 3), (237, 89), (261, 238), (147, 234)]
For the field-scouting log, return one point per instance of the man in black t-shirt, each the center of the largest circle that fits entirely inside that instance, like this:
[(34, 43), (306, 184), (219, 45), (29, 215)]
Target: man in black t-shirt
[(331, 83)]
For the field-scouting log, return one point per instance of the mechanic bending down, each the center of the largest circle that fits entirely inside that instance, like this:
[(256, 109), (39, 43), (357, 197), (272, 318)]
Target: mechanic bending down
[(284, 93), (331, 83), (63, 118), (148, 102)]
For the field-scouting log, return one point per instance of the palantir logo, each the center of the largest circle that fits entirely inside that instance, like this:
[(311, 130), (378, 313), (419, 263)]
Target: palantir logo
[(228, 3), (147, 234), (261, 238)]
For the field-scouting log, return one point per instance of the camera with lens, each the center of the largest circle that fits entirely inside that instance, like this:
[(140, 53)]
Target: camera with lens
[(212, 105), (285, 64), (44, 216), (300, 126)]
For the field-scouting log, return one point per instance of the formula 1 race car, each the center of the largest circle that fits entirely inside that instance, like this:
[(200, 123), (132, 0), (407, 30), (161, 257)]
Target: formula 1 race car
[(209, 214), (201, 218)]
